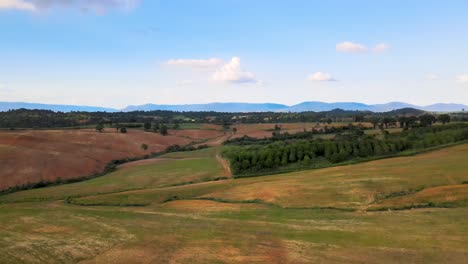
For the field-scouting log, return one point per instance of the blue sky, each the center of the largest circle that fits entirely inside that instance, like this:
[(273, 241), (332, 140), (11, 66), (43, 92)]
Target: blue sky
[(120, 52)]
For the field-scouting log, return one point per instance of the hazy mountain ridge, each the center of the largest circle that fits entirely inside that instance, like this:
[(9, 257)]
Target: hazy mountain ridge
[(216, 107), (5, 106), (314, 106)]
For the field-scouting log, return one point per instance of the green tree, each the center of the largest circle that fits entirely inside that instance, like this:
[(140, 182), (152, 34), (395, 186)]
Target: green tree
[(123, 130), (155, 127), (144, 146), (375, 121), (444, 118), (427, 120), (284, 158), (147, 125), (163, 130), (306, 161), (359, 118), (99, 128), (403, 120), (292, 155), (245, 164)]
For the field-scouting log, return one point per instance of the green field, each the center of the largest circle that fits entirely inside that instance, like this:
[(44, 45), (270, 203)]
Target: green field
[(180, 209)]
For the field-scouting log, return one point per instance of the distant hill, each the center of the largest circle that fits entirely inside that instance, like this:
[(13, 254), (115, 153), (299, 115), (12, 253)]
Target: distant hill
[(312, 106), (445, 107), (5, 106), (392, 106), (353, 106), (216, 107), (321, 106), (407, 111)]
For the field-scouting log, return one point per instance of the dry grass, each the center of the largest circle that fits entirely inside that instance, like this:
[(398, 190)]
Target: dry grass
[(240, 229), (451, 195)]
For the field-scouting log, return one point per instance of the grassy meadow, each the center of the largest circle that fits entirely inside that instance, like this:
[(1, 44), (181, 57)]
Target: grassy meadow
[(181, 208)]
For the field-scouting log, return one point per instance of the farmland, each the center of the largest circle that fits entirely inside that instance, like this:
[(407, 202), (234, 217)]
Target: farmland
[(181, 208), (212, 132), (31, 156)]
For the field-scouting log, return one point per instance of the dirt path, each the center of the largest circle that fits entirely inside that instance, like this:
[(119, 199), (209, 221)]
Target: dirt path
[(224, 163)]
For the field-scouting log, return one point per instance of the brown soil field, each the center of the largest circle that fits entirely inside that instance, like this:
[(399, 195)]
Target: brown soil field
[(196, 133), (212, 127), (265, 130), (29, 156)]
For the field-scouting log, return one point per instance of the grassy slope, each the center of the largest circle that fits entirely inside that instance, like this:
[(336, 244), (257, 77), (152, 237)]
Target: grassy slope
[(163, 173), (355, 186), (245, 229)]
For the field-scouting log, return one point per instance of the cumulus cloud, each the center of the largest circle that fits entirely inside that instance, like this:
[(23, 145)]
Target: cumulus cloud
[(321, 77), (82, 5), (382, 47), (463, 78), (232, 72), (213, 62), (350, 47)]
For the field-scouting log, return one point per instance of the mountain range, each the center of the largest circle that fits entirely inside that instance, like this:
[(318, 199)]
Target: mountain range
[(242, 107), (5, 106)]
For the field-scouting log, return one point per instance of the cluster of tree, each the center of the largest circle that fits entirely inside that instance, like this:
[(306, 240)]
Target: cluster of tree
[(258, 158), (100, 127), (406, 122), (342, 131), (23, 118), (178, 148), (156, 128)]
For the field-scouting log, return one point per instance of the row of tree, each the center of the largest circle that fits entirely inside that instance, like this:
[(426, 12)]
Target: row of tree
[(257, 158)]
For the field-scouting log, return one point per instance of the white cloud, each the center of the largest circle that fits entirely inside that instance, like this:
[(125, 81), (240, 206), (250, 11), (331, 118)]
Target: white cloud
[(213, 62), (98, 6), (463, 78), (382, 47), (351, 47), (321, 77), (17, 4), (232, 72)]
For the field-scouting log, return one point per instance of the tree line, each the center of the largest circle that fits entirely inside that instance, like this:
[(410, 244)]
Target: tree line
[(23, 118), (319, 152)]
